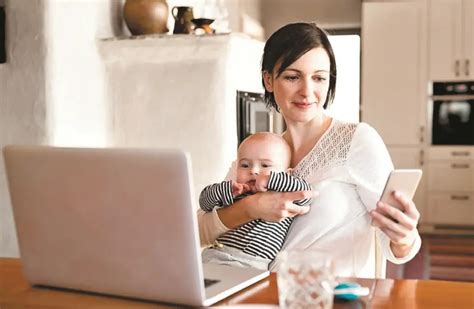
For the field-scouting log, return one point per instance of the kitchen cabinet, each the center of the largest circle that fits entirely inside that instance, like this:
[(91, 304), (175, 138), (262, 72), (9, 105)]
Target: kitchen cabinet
[(451, 175), (393, 94), (405, 44), (451, 185), (452, 209), (451, 39), (393, 81)]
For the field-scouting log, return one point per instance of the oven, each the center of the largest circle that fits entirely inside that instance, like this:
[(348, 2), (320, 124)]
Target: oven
[(452, 113), (254, 116)]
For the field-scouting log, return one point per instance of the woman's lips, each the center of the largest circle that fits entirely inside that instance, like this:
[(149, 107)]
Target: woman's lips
[(303, 105)]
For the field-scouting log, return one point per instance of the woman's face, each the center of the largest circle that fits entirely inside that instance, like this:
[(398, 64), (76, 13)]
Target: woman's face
[(301, 89)]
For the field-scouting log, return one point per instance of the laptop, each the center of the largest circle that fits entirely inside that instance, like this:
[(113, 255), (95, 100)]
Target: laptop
[(114, 221)]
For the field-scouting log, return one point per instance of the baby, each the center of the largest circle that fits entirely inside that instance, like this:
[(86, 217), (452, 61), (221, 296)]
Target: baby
[(263, 161)]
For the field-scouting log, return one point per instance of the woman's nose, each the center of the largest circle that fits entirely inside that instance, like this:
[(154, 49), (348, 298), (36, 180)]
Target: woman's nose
[(307, 88)]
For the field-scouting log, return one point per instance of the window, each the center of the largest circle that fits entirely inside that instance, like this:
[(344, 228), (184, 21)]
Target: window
[(346, 47)]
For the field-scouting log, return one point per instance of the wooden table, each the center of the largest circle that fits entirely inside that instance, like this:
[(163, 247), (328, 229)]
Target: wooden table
[(16, 292)]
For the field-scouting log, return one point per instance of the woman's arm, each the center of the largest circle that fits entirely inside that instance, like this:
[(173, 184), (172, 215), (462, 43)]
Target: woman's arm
[(269, 206), (370, 164), (210, 226)]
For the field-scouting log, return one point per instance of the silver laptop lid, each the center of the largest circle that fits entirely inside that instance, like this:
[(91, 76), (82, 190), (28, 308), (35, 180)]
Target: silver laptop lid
[(100, 220)]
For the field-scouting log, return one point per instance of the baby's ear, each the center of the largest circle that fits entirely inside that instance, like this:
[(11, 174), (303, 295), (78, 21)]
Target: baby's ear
[(289, 171)]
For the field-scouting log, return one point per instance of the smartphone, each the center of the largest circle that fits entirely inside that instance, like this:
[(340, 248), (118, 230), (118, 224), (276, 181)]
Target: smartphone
[(405, 181)]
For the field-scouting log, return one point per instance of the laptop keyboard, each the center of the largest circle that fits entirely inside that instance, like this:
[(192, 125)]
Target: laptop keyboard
[(209, 282)]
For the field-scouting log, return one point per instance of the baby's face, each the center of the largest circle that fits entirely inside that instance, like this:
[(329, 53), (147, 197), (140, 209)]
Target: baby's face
[(257, 157)]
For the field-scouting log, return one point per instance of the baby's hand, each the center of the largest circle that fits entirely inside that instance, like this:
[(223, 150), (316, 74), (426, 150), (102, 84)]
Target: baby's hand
[(261, 183), (239, 188)]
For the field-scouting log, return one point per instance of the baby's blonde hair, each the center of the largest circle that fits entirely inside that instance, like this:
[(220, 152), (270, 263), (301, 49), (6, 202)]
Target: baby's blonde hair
[(270, 137)]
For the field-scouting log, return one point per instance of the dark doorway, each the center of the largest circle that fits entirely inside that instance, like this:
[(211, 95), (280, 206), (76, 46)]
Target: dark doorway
[(3, 49)]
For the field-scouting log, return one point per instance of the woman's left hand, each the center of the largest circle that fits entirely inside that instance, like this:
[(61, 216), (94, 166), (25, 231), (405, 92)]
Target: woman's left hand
[(398, 224)]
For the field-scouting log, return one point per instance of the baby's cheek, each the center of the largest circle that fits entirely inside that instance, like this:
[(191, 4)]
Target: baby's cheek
[(240, 177)]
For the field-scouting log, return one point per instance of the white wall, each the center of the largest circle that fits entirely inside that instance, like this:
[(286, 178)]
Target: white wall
[(75, 81), (23, 115), (51, 88), (327, 13)]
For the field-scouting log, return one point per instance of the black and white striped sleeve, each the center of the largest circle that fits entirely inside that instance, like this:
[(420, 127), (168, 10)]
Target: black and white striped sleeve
[(216, 195), (284, 182)]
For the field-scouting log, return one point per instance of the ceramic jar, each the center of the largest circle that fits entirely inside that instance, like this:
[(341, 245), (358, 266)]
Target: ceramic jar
[(146, 16), (182, 16)]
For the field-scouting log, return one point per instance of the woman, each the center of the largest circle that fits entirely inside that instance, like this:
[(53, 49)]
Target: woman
[(346, 163)]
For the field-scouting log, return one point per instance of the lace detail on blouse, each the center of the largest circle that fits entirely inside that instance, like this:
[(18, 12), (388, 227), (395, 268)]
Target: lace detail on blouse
[(330, 151)]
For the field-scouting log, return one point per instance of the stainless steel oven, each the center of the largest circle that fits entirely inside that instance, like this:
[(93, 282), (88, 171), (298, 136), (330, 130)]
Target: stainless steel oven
[(452, 113), (253, 115)]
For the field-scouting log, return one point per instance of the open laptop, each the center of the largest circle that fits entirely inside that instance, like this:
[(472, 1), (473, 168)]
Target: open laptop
[(114, 221)]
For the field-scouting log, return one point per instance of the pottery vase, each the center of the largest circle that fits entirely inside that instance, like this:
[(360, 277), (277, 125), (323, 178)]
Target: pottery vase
[(146, 16), (182, 16)]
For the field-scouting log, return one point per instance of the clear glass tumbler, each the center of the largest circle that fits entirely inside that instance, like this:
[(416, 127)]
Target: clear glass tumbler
[(305, 279)]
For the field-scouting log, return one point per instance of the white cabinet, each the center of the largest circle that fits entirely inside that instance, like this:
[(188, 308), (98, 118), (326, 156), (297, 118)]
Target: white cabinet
[(405, 44), (451, 185), (451, 209), (393, 94), (451, 39), (451, 175)]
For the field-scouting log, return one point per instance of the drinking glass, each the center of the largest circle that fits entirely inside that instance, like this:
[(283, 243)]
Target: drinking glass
[(305, 279)]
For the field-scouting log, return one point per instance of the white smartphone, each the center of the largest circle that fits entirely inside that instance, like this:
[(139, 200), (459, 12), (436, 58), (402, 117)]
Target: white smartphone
[(405, 181)]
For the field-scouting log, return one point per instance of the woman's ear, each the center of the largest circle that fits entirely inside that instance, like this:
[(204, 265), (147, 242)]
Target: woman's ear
[(267, 79)]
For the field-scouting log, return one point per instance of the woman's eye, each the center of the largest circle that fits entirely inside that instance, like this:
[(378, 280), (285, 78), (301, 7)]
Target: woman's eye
[(320, 78), (291, 77)]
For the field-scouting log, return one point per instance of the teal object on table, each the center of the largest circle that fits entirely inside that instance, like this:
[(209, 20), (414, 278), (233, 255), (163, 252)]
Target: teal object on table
[(350, 291)]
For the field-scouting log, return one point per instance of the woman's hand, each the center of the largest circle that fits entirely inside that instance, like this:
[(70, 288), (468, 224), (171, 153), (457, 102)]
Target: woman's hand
[(398, 224), (276, 206), (269, 206)]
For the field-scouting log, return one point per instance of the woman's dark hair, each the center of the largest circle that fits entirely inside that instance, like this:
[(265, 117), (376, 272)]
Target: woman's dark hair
[(287, 45)]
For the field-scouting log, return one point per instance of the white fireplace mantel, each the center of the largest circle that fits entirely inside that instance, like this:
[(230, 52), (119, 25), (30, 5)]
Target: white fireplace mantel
[(179, 91), (164, 47)]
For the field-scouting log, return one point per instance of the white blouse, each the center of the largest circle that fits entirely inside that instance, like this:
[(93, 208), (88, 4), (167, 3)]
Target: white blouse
[(349, 167)]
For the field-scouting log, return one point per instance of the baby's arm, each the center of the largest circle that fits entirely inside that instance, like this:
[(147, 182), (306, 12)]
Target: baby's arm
[(221, 194), (216, 195), (284, 182)]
